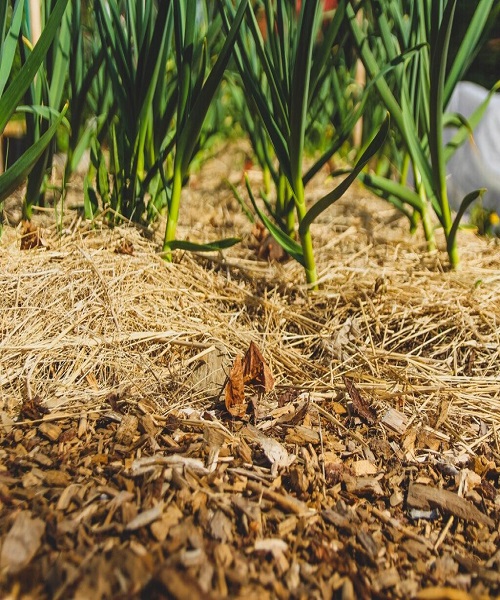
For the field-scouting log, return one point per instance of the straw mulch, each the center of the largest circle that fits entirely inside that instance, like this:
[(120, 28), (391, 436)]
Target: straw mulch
[(370, 470)]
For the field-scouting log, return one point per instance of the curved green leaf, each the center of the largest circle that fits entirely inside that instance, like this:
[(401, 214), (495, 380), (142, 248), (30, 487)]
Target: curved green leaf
[(464, 205), (189, 135), (23, 79), (208, 247), (393, 188), (16, 174), (284, 240), (9, 45), (333, 196)]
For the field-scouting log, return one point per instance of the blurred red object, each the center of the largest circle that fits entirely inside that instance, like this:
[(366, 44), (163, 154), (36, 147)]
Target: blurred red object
[(327, 5)]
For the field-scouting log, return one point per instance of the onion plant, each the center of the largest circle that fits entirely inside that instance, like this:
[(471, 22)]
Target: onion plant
[(137, 37), (292, 60), (88, 94), (48, 89), (14, 86), (196, 90), (414, 40), (164, 62)]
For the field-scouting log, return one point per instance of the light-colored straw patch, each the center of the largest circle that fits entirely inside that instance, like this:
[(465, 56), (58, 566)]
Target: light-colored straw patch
[(79, 321)]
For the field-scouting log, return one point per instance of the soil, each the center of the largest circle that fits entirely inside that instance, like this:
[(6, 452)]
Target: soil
[(210, 428)]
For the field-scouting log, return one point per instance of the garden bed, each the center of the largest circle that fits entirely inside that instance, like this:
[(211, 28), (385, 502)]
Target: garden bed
[(371, 469)]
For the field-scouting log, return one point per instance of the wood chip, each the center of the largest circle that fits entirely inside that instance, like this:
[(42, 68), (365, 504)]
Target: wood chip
[(22, 542), (423, 497), (286, 502), (395, 420), (182, 502), (145, 518), (127, 430)]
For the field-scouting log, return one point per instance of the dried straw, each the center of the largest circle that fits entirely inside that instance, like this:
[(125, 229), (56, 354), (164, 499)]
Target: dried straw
[(80, 321)]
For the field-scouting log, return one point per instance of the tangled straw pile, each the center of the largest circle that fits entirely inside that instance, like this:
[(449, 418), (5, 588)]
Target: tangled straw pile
[(80, 320)]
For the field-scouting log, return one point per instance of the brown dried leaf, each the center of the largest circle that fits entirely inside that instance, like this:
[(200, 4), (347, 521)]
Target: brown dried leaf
[(287, 396), (255, 370), (67, 435), (113, 400), (267, 247), (125, 247), (360, 405), (22, 542), (33, 409), (252, 370), (275, 452), (31, 237), (235, 390)]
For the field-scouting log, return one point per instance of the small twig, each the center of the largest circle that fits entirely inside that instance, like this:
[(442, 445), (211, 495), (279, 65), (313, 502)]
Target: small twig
[(444, 533)]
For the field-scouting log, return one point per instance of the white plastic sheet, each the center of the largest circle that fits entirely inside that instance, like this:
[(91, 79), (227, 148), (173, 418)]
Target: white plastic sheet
[(476, 163)]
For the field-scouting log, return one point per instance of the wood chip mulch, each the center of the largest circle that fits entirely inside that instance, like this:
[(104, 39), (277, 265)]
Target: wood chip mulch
[(307, 502), (209, 429)]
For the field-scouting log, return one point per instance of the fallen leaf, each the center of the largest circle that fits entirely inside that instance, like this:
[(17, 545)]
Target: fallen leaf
[(255, 370), (251, 371), (33, 409), (275, 452), (235, 390), (31, 237), (125, 247), (288, 396), (269, 249), (360, 405), (22, 542)]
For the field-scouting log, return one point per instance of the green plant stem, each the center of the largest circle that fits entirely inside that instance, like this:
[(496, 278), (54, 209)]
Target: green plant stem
[(266, 179), (452, 249), (305, 237), (290, 216), (428, 228), (424, 212), (449, 231), (173, 211), (284, 204)]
